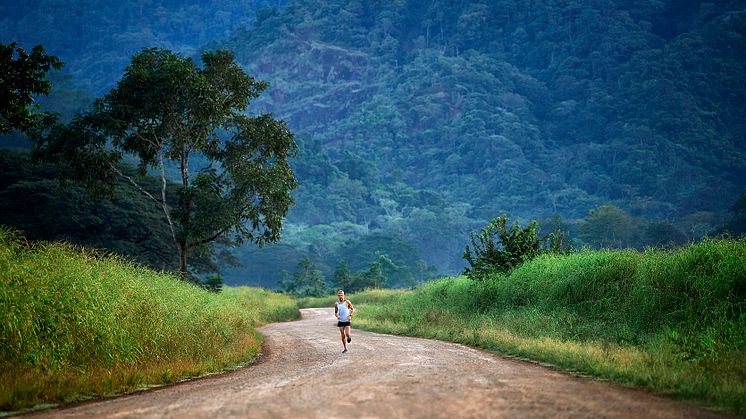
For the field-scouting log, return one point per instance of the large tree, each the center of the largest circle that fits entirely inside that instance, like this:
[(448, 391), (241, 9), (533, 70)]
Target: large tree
[(306, 281), (165, 111), (23, 75), (608, 226)]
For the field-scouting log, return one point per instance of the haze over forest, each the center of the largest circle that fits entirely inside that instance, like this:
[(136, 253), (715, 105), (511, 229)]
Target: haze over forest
[(420, 121)]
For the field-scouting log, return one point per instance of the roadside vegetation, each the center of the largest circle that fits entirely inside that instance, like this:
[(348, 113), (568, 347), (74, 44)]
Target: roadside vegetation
[(671, 321), (76, 324), (326, 301)]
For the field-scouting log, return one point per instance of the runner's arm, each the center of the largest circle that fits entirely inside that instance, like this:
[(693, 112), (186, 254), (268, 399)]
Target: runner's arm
[(349, 305), (336, 310)]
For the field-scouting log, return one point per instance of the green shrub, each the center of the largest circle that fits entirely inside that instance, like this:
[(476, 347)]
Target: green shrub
[(498, 248), (214, 283)]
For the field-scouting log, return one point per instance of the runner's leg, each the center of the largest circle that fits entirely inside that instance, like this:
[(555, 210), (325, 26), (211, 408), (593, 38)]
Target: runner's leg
[(347, 332), (342, 332)]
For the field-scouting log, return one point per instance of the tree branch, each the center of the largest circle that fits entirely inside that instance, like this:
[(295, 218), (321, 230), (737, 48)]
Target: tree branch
[(135, 184), (152, 143), (208, 239)]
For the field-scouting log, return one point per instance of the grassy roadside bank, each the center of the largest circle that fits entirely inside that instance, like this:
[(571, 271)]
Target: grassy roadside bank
[(673, 322), (75, 324)]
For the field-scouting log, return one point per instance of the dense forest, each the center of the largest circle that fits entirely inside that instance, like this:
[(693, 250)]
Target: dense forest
[(420, 121), (425, 119)]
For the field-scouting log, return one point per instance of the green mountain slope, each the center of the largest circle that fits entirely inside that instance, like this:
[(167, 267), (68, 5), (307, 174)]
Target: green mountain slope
[(534, 110), (419, 121)]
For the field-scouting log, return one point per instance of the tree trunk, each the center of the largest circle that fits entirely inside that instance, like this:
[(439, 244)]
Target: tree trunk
[(181, 247), (183, 267)]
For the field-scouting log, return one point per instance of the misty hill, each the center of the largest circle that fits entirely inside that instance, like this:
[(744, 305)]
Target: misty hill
[(419, 121), (532, 110), (423, 117), (97, 38)]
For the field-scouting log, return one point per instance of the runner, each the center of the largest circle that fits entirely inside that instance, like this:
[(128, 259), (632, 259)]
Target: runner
[(343, 309)]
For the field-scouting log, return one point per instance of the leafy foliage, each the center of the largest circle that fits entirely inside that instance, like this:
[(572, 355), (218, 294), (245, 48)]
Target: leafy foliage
[(736, 226), (307, 281), (380, 272), (213, 283), (96, 39), (23, 75), (609, 227), (505, 107), (343, 278), (424, 120), (499, 248), (530, 108)]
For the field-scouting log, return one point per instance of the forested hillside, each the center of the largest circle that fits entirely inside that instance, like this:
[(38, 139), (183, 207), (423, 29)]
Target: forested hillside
[(423, 117), (531, 109), (418, 121)]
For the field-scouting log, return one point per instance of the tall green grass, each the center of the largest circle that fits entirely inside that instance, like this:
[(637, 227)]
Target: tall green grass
[(671, 321), (76, 324)]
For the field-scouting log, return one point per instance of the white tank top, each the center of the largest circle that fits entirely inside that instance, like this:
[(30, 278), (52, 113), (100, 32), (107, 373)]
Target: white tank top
[(343, 311)]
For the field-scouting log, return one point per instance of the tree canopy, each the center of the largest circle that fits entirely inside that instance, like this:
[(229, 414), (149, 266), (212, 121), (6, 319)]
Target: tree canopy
[(306, 281), (165, 110), (23, 75)]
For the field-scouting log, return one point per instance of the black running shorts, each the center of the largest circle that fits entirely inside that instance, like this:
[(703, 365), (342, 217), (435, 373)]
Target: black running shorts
[(343, 324)]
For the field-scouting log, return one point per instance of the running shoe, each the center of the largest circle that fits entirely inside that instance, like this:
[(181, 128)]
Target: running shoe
[(345, 350), (349, 339)]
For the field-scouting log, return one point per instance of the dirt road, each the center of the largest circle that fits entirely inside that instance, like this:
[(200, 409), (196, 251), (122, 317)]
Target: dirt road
[(305, 375)]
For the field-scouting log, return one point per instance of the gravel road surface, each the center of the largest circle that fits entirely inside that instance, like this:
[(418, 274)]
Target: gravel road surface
[(304, 374)]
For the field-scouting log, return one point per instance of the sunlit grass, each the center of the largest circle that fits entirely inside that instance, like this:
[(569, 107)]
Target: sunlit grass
[(670, 321), (75, 324)]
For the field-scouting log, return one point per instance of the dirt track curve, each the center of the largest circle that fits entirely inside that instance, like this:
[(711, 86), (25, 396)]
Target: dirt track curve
[(305, 375)]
